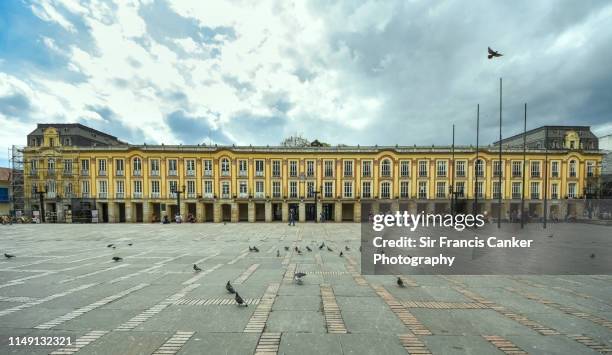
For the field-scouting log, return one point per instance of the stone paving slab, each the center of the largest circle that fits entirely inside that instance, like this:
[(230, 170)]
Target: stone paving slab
[(433, 314)]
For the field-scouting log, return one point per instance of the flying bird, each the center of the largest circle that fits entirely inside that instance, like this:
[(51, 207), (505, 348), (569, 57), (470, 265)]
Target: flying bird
[(117, 258), (493, 53), (239, 300), (400, 282), (8, 256), (229, 288), (196, 268)]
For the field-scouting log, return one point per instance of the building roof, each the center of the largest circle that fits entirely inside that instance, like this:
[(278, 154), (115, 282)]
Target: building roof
[(541, 128), (5, 174), (41, 126)]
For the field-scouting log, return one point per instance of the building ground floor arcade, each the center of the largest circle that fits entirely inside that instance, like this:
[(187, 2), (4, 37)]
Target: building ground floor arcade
[(147, 211)]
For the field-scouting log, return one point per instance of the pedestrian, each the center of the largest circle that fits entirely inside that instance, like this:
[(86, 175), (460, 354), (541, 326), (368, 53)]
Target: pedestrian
[(292, 217)]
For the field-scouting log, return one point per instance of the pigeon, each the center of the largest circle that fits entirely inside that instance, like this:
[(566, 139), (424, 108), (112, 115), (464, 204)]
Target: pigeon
[(255, 249), (114, 247), (550, 236), (493, 53), (110, 245), (130, 244), (278, 253), (229, 288), (117, 258), (308, 248), (296, 248), (347, 248), (287, 248), (400, 282), (299, 251), (341, 255), (239, 300), (321, 246), (196, 268), (8, 256), (329, 249), (250, 249), (592, 256), (297, 277)]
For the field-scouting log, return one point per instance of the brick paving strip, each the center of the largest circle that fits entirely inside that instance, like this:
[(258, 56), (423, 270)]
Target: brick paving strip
[(268, 344), (290, 273), (413, 345), (444, 305), (504, 345), (202, 274), (352, 269), (565, 309), (564, 289), (590, 343), (258, 320), (331, 311), (43, 300), (174, 344), (219, 301), (79, 312), (246, 274), (401, 312), (144, 316), (80, 342)]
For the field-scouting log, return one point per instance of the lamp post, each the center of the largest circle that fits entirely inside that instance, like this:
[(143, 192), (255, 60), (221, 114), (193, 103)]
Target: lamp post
[(178, 199), (41, 195), (315, 193)]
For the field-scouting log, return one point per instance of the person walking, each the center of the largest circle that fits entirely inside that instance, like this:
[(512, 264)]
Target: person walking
[(292, 217)]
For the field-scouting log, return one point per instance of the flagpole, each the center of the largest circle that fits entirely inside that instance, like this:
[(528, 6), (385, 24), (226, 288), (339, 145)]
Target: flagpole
[(545, 174), (499, 210), (524, 169), (452, 187), (475, 209)]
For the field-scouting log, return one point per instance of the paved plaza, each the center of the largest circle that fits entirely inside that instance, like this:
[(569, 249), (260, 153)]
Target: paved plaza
[(63, 283)]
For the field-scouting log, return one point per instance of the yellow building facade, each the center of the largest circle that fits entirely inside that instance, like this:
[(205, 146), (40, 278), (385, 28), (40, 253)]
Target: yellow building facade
[(140, 183)]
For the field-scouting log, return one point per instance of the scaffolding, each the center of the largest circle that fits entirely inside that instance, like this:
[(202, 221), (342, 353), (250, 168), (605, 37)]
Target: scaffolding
[(17, 193)]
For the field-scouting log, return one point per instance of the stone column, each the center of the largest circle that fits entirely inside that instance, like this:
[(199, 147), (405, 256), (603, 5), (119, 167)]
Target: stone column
[(319, 210), (394, 205), (251, 211), (302, 212), (268, 210), (338, 211), (129, 217), (357, 212), (285, 213), (234, 214), (199, 212), (375, 207), (217, 218), (147, 212)]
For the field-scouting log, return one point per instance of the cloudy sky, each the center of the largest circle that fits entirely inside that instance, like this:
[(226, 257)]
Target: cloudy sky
[(252, 72)]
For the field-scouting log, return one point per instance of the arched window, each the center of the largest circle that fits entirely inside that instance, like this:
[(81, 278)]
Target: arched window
[(137, 166), (225, 167), (385, 189), (479, 168), (385, 168), (572, 168)]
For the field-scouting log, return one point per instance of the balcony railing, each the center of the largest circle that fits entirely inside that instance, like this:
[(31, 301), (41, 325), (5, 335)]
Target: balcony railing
[(208, 173), (208, 195), (555, 174), (154, 172), (85, 172), (137, 195), (33, 172), (259, 173), (516, 174), (441, 174), (422, 195), (535, 195), (366, 195), (348, 174), (535, 174), (51, 172), (191, 173), (172, 172), (85, 195), (516, 196), (102, 195), (366, 174), (422, 174), (172, 194), (276, 194), (120, 173), (155, 194), (276, 174), (225, 173), (67, 173), (243, 195), (137, 172), (554, 196), (440, 195), (460, 174), (51, 194), (243, 173), (101, 172), (259, 195), (572, 174), (191, 195), (119, 195), (225, 196)]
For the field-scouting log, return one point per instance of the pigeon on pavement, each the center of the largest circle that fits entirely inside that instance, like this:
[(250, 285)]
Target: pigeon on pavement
[(229, 288), (196, 268), (308, 248), (8, 256), (239, 300), (400, 282), (117, 258)]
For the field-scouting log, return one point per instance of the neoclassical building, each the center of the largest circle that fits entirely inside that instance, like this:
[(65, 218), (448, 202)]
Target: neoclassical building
[(72, 170)]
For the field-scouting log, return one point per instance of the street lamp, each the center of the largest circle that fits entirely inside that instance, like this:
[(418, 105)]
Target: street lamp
[(315, 193), (42, 202), (178, 198)]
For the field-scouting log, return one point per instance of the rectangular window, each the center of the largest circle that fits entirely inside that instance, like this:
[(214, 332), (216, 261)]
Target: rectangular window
[(441, 168), (328, 189), (535, 169), (571, 190), (102, 189), (120, 189), (404, 189), (460, 189), (348, 189), (155, 189), (137, 188), (310, 189), (191, 188), (85, 189), (225, 189), (172, 167), (479, 168), (590, 168), (348, 168), (460, 168), (101, 167), (293, 189), (259, 189), (423, 168), (366, 189), (497, 168), (328, 168), (208, 188), (190, 168), (385, 168), (422, 189), (67, 166), (572, 168), (276, 189), (310, 168), (554, 167), (259, 168), (554, 191), (207, 165), (385, 189), (496, 190), (276, 168), (137, 167), (172, 188), (535, 190), (517, 168), (243, 190), (154, 167), (243, 169), (517, 190), (480, 189), (119, 167), (293, 168), (67, 190), (405, 168), (366, 168), (440, 189)]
